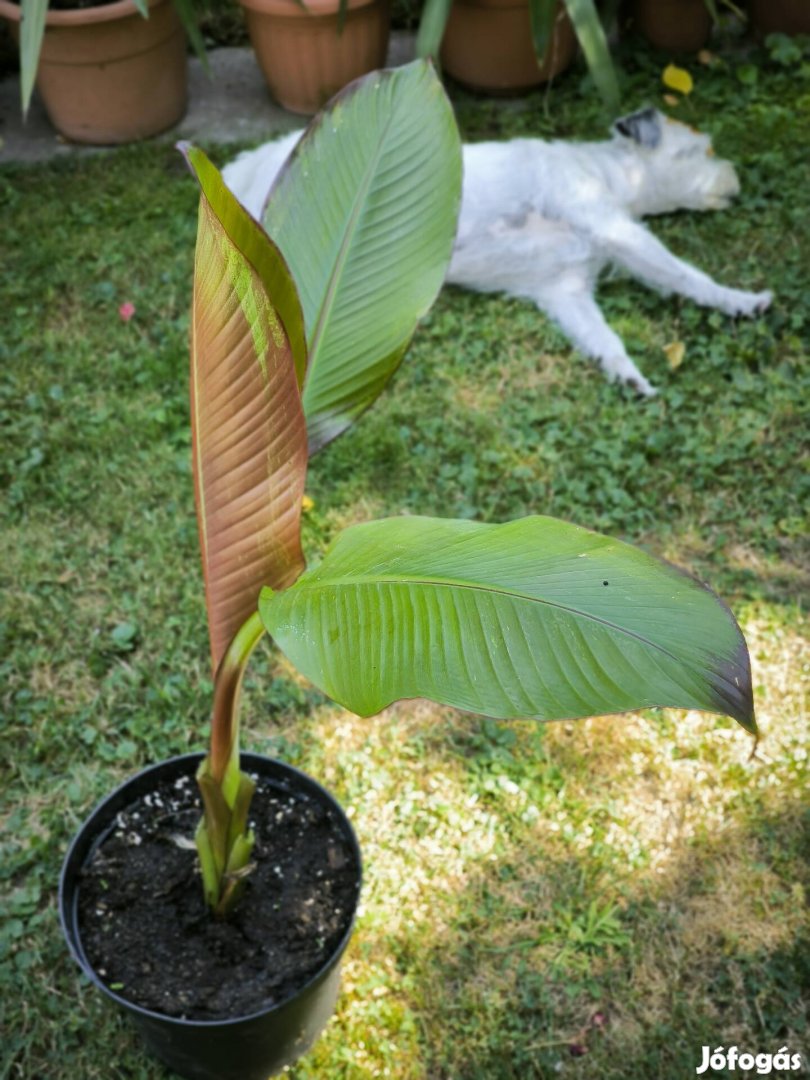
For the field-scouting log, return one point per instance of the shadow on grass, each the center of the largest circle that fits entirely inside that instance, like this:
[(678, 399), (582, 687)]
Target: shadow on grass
[(538, 974)]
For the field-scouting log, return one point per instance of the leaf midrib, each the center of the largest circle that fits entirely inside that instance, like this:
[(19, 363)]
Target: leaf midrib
[(343, 253), (383, 579)]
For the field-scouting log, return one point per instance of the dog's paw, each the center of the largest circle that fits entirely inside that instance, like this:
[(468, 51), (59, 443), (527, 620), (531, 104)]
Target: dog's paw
[(641, 386), (622, 369), (748, 304), (764, 301)]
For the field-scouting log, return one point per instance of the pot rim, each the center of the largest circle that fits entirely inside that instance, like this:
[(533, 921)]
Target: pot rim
[(100, 13), (291, 9), (77, 951)]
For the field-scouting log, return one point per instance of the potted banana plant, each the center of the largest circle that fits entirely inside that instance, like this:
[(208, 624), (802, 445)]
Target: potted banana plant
[(107, 72), (509, 46), (241, 862)]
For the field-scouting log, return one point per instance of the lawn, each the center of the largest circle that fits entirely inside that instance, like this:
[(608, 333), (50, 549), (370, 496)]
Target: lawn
[(592, 899)]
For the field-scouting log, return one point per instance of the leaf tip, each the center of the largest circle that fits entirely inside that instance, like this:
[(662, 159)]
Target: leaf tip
[(733, 689), (187, 150)]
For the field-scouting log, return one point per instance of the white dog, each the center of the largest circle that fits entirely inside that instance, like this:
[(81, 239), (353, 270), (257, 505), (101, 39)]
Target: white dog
[(540, 220)]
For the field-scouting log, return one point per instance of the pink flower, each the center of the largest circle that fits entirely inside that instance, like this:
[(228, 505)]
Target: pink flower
[(126, 311)]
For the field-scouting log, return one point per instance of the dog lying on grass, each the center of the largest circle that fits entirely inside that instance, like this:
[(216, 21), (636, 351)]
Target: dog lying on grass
[(541, 220)]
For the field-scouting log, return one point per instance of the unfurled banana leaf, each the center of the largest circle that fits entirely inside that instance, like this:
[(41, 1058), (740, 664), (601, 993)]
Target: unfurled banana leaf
[(535, 618), (365, 214), (248, 432)]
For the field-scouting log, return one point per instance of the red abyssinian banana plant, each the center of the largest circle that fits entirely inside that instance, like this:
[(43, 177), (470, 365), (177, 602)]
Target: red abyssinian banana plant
[(534, 618)]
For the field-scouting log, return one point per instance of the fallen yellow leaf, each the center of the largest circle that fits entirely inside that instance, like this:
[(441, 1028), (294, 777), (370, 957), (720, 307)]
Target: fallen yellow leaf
[(675, 352), (307, 504), (671, 100), (677, 79)]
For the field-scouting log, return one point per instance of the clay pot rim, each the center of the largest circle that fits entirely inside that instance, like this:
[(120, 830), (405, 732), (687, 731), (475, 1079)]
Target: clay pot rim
[(500, 4), (293, 10), (119, 9)]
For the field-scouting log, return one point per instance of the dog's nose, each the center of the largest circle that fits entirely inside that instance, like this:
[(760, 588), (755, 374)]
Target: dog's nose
[(733, 180), (726, 182)]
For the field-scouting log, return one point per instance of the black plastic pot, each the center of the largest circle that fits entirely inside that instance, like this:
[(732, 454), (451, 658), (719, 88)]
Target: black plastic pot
[(247, 1048)]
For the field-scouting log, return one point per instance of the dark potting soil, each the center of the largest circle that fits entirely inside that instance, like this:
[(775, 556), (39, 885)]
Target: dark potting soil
[(146, 930)]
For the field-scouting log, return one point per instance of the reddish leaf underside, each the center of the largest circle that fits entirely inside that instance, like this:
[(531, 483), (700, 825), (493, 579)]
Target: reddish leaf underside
[(249, 436)]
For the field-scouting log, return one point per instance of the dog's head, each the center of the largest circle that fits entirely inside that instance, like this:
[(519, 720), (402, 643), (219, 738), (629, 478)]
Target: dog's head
[(685, 173)]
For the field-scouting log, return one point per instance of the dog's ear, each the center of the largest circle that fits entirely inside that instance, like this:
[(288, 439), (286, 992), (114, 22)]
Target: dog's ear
[(643, 127)]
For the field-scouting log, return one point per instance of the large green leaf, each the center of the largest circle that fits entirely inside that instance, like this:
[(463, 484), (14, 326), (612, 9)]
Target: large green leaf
[(536, 618), (248, 430), (365, 214)]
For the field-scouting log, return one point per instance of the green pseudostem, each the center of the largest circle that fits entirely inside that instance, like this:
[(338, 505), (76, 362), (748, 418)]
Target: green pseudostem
[(223, 840)]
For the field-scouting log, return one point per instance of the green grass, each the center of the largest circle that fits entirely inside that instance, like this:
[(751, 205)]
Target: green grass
[(519, 881)]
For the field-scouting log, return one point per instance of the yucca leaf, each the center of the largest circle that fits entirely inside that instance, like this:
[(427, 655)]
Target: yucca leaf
[(432, 24), (541, 19), (591, 37), (365, 214), (32, 29), (189, 15), (535, 618)]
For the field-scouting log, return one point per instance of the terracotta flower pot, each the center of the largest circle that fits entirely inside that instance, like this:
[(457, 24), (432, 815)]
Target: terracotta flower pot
[(674, 25), (487, 46), (779, 16), (303, 56), (106, 74)]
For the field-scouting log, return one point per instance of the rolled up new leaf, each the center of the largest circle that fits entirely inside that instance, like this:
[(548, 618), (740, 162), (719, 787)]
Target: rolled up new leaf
[(536, 618), (365, 213), (248, 356)]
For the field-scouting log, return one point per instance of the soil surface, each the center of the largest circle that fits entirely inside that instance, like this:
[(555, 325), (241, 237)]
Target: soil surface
[(146, 930)]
